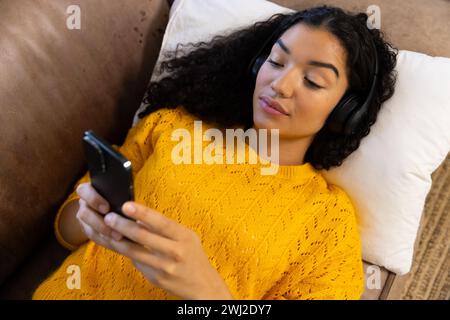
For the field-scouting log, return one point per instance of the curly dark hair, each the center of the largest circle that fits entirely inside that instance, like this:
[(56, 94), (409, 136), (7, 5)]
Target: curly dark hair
[(211, 81)]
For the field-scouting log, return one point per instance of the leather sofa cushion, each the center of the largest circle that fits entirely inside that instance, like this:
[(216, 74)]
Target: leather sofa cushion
[(54, 84)]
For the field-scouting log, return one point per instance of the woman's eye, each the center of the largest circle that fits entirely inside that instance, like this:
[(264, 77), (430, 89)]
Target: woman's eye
[(275, 64), (311, 84)]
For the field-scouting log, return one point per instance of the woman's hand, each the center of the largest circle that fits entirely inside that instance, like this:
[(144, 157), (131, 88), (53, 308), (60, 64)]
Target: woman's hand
[(93, 207), (167, 253)]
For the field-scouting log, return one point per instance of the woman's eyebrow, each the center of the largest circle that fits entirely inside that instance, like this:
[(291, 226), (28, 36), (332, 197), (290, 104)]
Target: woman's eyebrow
[(281, 44), (311, 62)]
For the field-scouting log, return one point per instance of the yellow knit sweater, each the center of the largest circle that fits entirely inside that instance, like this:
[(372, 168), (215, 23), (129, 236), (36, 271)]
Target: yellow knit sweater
[(284, 236)]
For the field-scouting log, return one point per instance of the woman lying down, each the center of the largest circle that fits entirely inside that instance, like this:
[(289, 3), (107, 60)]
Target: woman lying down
[(205, 229)]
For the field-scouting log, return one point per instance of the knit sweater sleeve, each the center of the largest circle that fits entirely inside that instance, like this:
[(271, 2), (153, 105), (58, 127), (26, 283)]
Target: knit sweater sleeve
[(137, 147), (335, 268)]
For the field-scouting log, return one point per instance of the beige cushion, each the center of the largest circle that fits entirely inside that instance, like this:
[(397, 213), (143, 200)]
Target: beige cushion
[(416, 25)]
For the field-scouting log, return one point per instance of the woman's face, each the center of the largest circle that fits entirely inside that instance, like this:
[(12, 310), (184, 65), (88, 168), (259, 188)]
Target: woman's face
[(307, 82)]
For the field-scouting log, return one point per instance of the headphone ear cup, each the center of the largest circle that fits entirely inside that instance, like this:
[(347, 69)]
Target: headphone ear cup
[(257, 65), (338, 120)]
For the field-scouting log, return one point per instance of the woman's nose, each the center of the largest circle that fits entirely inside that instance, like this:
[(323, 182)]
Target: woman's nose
[(284, 83)]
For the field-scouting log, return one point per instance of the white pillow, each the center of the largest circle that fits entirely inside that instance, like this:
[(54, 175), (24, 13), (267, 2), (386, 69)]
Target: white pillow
[(389, 175)]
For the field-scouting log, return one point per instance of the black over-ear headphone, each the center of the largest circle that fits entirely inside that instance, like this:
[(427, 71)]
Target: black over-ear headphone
[(346, 116)]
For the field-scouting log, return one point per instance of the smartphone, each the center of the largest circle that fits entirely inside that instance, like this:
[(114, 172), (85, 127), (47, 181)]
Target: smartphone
[(109, 170)]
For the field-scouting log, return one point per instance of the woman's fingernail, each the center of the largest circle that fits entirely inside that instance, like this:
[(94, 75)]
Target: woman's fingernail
[(108, 218), (130, 208), (103, 208)]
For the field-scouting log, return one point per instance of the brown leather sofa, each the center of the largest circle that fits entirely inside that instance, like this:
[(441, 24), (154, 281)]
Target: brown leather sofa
[(55, 83)]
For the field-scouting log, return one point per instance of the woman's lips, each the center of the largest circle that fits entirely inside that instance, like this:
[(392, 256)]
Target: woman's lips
[(269, 109)]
